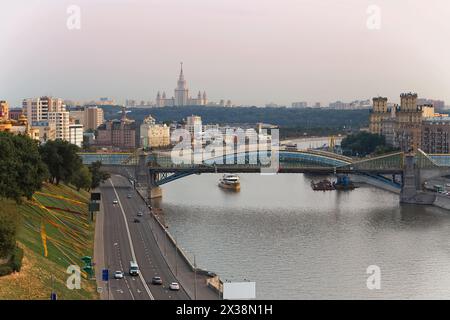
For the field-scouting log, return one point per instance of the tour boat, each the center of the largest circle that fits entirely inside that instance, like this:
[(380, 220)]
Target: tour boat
[(230, 181)]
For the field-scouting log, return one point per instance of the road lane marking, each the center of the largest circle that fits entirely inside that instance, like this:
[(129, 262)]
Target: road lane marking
[(131, 241)]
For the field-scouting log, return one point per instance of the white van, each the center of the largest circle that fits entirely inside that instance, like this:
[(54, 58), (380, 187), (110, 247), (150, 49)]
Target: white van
[(134, 269)]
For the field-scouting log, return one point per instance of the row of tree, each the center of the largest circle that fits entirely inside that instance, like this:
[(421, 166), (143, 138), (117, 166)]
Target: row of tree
[(365, 143), (24, 166)]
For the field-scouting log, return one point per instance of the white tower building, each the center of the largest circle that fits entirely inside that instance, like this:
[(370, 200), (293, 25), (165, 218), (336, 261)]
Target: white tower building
[(181, 92)]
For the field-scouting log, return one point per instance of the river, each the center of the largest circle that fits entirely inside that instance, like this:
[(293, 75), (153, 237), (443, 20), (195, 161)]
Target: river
[(296, 243)]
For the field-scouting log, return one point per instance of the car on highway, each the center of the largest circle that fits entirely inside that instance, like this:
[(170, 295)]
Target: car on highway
[(118, 275), (129, 196), (136, 220), (157, 280), (140, 214), (174, 286), (115, 201), (134, 269)]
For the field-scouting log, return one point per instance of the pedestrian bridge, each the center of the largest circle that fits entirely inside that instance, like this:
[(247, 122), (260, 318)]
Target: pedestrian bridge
[(406, 173), (164, 168)]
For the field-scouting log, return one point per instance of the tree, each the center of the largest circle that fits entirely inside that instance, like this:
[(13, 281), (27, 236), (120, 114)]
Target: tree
[(22, 170), (363, 143), (62, 160), (98, 176), (8, 230), (82, 178)]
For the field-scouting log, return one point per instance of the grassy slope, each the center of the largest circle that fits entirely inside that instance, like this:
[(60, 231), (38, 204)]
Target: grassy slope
[(63, 212)]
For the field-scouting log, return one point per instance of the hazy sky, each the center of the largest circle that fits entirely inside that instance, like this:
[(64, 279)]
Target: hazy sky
[(249, 51)]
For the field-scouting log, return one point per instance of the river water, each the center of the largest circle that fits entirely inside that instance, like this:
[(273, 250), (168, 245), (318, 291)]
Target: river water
[(296, 243)]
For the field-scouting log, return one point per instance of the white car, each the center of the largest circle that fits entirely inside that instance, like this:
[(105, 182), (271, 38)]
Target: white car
[(174, 286), (118, 275), (115, 201)]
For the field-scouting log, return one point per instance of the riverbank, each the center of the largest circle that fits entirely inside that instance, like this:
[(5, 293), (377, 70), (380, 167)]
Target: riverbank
[(59, 215)]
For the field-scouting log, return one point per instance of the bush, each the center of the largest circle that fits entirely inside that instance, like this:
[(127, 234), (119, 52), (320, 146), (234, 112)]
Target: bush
[(5, 270), (14, 264), (16, 259)]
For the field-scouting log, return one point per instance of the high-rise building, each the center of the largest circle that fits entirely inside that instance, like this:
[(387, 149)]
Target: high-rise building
[(181, 95), (91, 117), (409, 122), (402, 125), (47, 110), (38, 109), (436, 135), (194, 125), (62, 121), (378, 114), (76, 134), (117, 134)]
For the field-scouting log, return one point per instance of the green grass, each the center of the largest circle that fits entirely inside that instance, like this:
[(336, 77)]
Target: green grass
[(70, 236)]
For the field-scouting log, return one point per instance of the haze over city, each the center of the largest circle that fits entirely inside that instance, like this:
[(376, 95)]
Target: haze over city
[(252, 52)]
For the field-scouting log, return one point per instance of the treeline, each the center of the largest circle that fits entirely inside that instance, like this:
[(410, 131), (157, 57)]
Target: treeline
[(306, 119), (24, 167), (365, 143)]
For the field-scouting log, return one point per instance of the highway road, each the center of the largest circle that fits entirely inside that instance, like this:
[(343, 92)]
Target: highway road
[(126, 240)]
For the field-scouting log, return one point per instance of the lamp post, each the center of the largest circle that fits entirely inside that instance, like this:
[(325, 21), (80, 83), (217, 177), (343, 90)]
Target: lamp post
[(176, 257), (165, 241), (195, 279)]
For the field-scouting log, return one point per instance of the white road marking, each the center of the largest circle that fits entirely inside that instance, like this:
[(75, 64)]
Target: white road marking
[(131, 241)]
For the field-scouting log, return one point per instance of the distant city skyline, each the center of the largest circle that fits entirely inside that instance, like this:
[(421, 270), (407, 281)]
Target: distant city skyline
[(252, 52)]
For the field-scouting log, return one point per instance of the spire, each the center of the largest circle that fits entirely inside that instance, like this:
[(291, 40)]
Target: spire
[(124, 113), (181, 72)]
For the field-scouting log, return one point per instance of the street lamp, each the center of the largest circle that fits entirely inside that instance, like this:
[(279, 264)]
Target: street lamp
[(176, 257)]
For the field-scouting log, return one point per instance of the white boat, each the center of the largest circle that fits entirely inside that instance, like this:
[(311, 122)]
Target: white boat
[(230, 181)]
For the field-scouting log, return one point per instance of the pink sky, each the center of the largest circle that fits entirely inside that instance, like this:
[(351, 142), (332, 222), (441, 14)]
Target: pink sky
[(249, 51)]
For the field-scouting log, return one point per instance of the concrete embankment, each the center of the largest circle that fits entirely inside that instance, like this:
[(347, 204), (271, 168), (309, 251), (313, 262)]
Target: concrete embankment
[(376, 183), (442, 201)]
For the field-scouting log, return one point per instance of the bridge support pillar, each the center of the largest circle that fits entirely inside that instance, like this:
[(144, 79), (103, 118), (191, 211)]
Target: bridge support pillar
[(411, 189), (154, 192)]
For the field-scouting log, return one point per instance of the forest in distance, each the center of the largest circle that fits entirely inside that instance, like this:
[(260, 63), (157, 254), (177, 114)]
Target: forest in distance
[(292, 122)]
